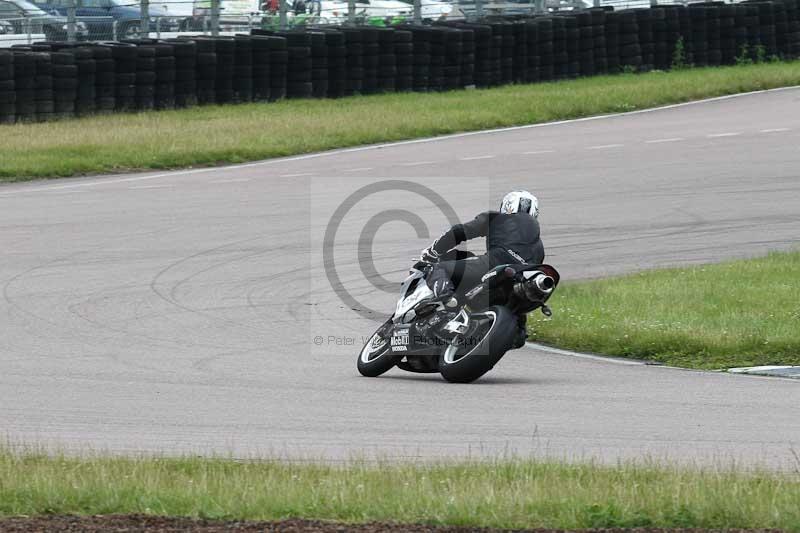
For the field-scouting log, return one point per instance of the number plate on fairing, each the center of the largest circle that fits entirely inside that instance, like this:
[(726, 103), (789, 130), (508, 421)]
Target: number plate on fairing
[(400, 340)]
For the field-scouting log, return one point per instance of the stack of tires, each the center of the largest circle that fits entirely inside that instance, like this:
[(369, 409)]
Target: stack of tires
[(660, 50), (85, 104), (766, 28), (545, 47), (354, 61), (793, 20), (453, 56), (769, 30), (667, 33), (467, 69), (713, 34), (299, 66), (43, 90), (185, 71), (612, 34), (520, 59), (532, 40), (261, 45), (506, 31), (740, 30), (727, 34), (124, 57), (319, 65), (630, 51), (278, 68), (422, 57), (206, 71), (781, 29), (164, 96), (243, 69), (8, 95), (699, 40), (225, 48), (599, 36), (686, 32), (484, 62), (337, 63), (565, 48), (387, 62), (404, 58), (572, 31), (24, 65), (497, 55), (65, 83), (371, 59), (585, 43), (145, 77), (438, 39), (105, 79), (155, 74), (644, 18)]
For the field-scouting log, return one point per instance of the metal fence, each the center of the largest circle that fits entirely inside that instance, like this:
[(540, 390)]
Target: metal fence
[(27, 21)]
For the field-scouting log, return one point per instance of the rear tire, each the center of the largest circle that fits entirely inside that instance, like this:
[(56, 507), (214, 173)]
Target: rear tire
[(464, 365), (376, 357)]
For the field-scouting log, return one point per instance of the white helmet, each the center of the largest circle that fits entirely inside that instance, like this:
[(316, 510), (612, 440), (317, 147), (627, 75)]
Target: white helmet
[(520, 202)]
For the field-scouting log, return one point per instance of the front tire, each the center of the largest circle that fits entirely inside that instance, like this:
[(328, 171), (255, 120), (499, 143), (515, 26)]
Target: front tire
[(491, 335), (376, 357)]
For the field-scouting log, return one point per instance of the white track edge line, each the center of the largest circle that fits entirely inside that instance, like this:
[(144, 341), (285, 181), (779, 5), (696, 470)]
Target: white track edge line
[(304, 157), (559, 351), (634, 362)]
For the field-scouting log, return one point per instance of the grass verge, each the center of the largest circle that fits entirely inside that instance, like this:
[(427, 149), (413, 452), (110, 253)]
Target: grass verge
[(508, 494), (232, 134), (734, 314)]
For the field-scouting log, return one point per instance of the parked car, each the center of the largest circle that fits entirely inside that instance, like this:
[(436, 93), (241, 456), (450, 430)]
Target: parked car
[(22, 16), (180, 10), (108, 19)]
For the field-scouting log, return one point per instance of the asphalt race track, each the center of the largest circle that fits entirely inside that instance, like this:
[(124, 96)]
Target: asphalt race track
[(192, 311)]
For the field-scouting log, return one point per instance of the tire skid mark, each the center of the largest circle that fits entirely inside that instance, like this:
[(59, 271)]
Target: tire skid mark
[(168, 296)]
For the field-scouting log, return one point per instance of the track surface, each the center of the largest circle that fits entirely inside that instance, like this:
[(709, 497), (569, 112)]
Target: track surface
[(177, 312)]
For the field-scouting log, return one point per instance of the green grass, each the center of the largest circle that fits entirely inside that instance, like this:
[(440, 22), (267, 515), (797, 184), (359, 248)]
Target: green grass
[(509, 493), (741, 313), (231, 134)]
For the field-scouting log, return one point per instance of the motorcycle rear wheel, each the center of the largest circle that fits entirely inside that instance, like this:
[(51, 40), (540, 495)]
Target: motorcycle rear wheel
[(376, 357), (475, 353)]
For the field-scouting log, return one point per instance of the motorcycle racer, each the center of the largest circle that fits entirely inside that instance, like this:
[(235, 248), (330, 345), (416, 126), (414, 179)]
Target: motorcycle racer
[(512, 237)]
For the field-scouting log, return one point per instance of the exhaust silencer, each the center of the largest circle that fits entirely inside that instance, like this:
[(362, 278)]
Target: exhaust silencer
[(544, 283)]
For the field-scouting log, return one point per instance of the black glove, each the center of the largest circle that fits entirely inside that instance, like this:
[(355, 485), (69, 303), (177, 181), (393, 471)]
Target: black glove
[(429, 255)]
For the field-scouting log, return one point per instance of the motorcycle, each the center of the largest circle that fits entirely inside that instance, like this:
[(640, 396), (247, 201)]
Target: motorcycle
[(461, 337)]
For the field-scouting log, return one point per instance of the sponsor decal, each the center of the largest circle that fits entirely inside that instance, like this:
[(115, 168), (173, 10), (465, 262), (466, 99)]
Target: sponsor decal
[(399, 341), (515, 255)]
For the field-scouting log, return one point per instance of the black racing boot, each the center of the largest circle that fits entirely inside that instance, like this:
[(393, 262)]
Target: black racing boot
[(522, 332), (519, 340), (439, 282)]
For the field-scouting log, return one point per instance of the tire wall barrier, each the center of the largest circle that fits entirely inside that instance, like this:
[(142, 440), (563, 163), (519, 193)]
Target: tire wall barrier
[(55, 80)]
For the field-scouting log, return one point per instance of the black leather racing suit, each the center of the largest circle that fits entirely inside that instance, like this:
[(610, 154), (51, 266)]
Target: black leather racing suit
[(510, 239)]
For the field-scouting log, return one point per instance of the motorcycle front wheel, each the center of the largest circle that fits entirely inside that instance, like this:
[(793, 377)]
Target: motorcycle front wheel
[(376, 356), (491, 334)]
